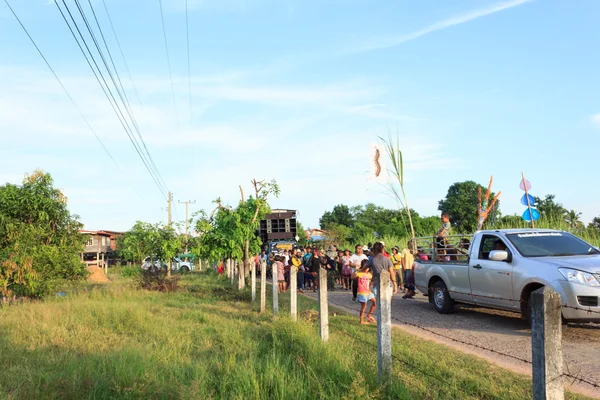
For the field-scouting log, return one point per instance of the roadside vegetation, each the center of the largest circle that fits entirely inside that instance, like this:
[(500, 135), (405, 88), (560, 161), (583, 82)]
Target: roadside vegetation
[(208, 341)]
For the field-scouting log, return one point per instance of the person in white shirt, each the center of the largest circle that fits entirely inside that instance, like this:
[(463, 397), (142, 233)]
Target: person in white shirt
[(355, 262)]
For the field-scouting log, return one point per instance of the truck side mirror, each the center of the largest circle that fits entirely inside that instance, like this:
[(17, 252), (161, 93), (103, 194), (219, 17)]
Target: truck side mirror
[(499, 255)]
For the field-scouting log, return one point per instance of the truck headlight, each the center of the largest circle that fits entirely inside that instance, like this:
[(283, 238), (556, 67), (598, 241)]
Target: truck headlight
[(575, 276)]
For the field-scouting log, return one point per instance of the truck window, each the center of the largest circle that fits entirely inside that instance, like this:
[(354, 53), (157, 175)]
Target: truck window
[(550, 244), (489, 243)]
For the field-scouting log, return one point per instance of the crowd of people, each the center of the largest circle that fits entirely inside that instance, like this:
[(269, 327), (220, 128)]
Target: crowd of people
[(358, 270)]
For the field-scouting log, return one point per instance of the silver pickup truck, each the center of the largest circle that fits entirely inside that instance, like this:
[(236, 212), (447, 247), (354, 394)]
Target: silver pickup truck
[(500, 269)]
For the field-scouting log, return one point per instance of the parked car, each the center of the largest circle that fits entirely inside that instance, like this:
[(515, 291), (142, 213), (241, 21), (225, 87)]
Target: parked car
[(501, 268), (176, 265)]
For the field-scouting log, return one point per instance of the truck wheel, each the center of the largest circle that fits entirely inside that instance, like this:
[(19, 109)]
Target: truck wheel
[(184, 269), (441, 299)]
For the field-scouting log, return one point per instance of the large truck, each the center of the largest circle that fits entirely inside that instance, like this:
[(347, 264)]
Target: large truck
[(278, 231)]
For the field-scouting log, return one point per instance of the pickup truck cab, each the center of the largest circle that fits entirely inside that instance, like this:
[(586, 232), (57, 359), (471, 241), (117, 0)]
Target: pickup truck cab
[(500, 269)]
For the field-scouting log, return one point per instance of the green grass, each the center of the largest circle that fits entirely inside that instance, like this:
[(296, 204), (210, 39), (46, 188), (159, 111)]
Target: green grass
[(207, 341)]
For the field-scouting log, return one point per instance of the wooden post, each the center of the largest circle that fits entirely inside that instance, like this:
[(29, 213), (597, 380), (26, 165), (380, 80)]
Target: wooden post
[(384, 330), (323, 306), (253, 280), (275, 292), (263, 286), (106, 265), (546, 336), (528, 202), (294, 293)]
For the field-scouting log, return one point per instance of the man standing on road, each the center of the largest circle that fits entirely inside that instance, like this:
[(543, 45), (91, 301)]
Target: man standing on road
[(378, 263), (355, 262)]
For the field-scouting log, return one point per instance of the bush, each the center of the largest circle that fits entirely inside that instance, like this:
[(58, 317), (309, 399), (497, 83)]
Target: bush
[(157, 280), (130, 271)]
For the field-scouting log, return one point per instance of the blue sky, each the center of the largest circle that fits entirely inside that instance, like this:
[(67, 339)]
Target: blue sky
[(298, 90)]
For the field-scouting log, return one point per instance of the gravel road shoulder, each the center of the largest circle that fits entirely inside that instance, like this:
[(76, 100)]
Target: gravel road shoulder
[(471, 328)]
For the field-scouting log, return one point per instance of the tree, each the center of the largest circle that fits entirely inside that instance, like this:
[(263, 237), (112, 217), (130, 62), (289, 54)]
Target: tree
[(595, 224), (572, 218), (549, 209), (461, 203), (39, 238), (340, 215), (157, 241), (232, 233)]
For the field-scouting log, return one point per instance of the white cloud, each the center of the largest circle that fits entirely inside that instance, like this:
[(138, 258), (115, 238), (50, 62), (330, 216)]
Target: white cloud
[(596, 119), (391, 41)]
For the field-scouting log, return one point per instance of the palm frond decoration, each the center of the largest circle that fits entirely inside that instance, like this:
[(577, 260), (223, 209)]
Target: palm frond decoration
[(396, 185)]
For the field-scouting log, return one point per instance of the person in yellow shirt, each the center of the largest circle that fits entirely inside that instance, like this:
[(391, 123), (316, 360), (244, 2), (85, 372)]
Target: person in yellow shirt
[(396, 259), (408, 259), (297, 262)]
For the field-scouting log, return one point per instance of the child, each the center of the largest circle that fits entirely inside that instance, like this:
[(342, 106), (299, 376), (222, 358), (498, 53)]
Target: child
[(220, 268), (280, 270), (346, 270), (364, 292)]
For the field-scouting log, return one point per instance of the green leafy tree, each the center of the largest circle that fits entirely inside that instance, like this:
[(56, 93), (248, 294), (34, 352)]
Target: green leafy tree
[(340, 215), (595, 224), (40, 243), (549, 209), (572, 218), (461, 203)]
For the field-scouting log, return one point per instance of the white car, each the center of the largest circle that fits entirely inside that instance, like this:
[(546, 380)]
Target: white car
[(176, 265)]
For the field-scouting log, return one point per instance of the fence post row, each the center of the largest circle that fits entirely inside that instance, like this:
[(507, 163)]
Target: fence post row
[(275, 291), (546, 345), (323, 306), (294, 293), (384, 330), (253, 279), (263, 286)]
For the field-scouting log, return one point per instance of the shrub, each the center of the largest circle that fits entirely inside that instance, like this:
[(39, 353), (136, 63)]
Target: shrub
[(156, 279)]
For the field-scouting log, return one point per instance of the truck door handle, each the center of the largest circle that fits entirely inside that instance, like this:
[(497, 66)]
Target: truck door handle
[(477, 266)]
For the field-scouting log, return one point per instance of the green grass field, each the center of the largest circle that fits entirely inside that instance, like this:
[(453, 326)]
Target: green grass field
[(208, 341)]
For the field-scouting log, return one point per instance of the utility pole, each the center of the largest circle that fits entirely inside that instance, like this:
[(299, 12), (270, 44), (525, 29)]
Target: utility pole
[(187, 204), (169, 225)]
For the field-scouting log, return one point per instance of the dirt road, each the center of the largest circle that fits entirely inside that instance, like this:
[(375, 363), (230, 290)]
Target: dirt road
[(500, 331)]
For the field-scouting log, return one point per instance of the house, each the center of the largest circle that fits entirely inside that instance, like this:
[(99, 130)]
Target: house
[(100, 247)]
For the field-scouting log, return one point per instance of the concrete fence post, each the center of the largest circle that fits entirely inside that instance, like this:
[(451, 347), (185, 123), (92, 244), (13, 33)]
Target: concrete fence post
[(263, 286), (323, 306), (275, 291), (232, 276), (384, 330), (253, 280), (546, 337), (228, 267), (294, 293)]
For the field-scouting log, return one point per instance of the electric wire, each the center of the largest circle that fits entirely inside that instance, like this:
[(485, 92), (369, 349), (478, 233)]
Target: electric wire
[(162, 18), (65, 89), (126, 100), (108, 93), (187, 33), (114, 31)]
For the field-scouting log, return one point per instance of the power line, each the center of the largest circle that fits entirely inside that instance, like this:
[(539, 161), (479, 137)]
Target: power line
[(162, 18), (187, 33), (108, 93), (63, 87), (126, 102), (130, 78)]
